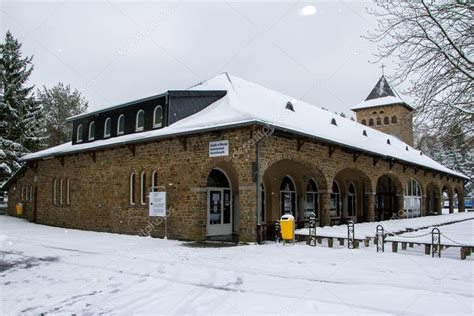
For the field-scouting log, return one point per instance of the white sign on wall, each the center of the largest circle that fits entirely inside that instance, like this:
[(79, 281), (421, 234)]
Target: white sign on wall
[(219, 148), (157, 205)]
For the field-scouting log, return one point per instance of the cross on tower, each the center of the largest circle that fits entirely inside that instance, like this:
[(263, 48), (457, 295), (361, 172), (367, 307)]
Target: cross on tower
[(382, 66)]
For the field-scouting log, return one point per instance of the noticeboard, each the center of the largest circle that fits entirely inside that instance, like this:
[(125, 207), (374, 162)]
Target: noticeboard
[(157, 205)]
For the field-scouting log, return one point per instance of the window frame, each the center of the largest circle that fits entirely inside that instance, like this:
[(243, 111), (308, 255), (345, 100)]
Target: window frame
[(371, 122), (160, 123), (121, 117), (61, 184), (89, 137), (315, 196), (137, 128), (79, 133), (55, 191), (68, 191), (154, 184), (143, 188), (132, 188), (107, 121)]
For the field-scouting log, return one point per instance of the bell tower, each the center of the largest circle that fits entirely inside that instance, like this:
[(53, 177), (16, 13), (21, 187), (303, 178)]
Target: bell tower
[(384, 110)]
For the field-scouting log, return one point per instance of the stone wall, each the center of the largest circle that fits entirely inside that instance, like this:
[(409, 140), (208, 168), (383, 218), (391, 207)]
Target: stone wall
[(403, 128), (99, 191), (100, 183)]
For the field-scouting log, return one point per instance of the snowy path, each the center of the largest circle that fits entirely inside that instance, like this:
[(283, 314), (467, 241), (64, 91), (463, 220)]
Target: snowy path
[(364, 230), (55, 270)]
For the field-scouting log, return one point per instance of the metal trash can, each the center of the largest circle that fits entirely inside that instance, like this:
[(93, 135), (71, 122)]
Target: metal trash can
[(287, 226)]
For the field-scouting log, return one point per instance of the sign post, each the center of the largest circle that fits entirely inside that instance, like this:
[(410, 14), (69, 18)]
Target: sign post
[(157, 207)]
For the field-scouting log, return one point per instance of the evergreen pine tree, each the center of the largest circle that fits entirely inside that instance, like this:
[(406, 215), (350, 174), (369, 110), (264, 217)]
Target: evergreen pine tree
[(20, 115)]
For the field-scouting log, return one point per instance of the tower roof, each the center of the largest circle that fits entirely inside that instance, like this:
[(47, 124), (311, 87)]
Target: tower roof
[(382, 94)]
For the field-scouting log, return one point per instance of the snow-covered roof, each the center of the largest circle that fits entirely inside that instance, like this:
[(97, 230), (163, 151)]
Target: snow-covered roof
[(249, 103), (382, 94)]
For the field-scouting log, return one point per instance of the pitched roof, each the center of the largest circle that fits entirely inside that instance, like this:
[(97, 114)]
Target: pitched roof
[(382, 94), (249, 103)]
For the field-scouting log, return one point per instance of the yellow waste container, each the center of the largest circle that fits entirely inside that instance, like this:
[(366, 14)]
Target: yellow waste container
[(287, 226), (19, 209)]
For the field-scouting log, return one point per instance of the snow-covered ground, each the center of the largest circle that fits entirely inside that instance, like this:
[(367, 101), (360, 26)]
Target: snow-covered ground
[(61, 271), (364, 230)]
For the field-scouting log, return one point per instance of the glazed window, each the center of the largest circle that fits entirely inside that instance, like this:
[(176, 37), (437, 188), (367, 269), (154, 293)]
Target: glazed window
[(364, 122), (335, 202), (61, 184), (68, 191), (371, 122), (79, 133), (379, 121), (311, 201), (55, 191), (121, 124), (394, 119), (32, 190), (107, 127), (140, 121), (386, 121), (154, 181), (143, 189), (132, 189), (351, 201), (92, 130), (158, 117)]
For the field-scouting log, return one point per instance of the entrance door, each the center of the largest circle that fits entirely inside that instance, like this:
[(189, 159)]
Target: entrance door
[(219, 211)]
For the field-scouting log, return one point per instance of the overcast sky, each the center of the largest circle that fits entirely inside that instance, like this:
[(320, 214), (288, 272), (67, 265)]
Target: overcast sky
[(115, 52)]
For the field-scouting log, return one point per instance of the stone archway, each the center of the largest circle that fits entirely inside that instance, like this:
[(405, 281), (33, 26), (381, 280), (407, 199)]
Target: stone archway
[(447, 199), (300, 174), (354, 186), (433, 199), (227, 195), (388, 197)]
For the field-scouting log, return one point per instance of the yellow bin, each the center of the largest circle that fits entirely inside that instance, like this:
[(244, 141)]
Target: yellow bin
[(287, 227), (19, 209)]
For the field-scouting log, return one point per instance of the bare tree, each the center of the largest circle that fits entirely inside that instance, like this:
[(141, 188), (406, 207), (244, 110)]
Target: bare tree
[(432, 44)]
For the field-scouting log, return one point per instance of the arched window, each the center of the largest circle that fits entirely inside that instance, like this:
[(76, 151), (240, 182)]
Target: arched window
[(154, 181), (55, 191), (25, 198), (132, 189), (379, 121), (68, 191), (412, 199), (79, 133), (107, 127), (61, 183), (364, 122), (143, 188), (158, 116), (394, 119), (371, 122), (121, 124), (287, 196), (335, 207), (219, 203), (92, 130), (386, 121), (311, 201), (351, 201), (140, 121)]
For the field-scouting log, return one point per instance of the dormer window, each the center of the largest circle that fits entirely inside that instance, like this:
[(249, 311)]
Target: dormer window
[(158, 117), (388, 141), (107, 127), (333, 122), (364, 133), (79, 133), (140, 121), (92, 130), (121, 124), (289, 106)]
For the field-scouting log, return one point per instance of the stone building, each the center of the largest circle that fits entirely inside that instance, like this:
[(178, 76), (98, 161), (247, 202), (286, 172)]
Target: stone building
[(232, 157)]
